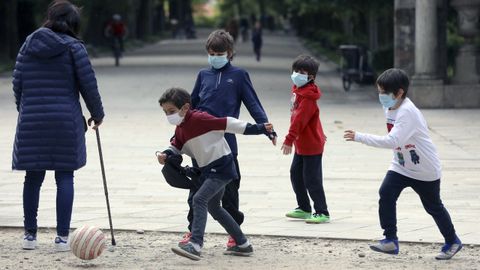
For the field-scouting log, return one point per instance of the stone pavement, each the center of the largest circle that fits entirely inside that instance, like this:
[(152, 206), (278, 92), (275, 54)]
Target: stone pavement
[(135, 127)]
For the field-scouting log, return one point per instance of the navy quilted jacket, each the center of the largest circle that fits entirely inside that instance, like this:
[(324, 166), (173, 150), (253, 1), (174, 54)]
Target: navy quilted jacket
[(51, 72)]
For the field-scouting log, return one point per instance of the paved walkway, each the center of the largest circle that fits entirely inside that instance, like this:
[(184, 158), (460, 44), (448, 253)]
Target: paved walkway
[(135, 128)]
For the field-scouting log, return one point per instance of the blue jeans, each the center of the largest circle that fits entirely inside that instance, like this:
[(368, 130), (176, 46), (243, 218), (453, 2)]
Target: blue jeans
[(31, 196), (429, 193), (209, 196), (307, 179), (230, 199)]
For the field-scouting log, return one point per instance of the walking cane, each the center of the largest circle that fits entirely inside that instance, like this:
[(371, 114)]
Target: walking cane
[(97, 132)]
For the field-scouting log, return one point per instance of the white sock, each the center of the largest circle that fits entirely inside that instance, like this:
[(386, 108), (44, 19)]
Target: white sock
[(244, 245), (196, 246)]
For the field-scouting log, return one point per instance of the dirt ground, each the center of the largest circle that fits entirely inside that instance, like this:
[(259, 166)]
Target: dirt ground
[(152, 250)]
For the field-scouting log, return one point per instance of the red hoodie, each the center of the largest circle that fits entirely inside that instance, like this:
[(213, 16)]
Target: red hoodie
[(305, 128)]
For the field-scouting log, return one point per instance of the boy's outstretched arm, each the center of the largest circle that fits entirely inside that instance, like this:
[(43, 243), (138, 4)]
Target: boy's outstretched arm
[(398, 135)]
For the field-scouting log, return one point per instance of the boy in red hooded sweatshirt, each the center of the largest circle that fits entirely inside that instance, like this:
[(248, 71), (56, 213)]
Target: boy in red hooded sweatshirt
[(307, 135)]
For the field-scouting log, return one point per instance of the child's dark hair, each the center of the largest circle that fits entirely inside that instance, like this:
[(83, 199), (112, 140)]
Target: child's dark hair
[(63, 17), (306, 63), (392, 80), (175, 95), (220, 41)]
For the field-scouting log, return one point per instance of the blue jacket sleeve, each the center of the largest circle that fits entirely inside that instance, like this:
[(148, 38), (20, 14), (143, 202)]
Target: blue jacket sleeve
[(196, 92), (17, 81), (87, 81), (251, 101)]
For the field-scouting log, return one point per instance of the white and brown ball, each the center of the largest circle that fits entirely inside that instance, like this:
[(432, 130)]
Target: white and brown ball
[(87, 242)]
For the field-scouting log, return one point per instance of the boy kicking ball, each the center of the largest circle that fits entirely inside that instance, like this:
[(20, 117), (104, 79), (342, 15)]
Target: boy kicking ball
[(201, 136)]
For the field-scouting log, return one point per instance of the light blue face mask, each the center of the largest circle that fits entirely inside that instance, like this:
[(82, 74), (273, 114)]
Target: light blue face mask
[(387, 101), (217, 61), (299, 79)]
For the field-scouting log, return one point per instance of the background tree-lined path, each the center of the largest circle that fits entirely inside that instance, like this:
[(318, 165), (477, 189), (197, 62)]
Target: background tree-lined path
[(135, 127)]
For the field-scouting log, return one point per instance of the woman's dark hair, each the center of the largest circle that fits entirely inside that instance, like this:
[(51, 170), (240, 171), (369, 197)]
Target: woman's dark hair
[(220, 41), (63, 17), (175, 95), (392, 80), (306, 63)]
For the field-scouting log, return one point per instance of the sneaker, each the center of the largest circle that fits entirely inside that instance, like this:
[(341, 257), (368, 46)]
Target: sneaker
[(239, 251), (298, 213), (187, 251), (231, 242), (29, 241), (317, 219), (386, 246), (186, 238), (61, 244), (448, 250)]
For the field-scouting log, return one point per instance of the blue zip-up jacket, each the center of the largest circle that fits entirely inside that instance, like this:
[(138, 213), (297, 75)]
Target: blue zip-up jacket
[(220, 92), (51, 72)]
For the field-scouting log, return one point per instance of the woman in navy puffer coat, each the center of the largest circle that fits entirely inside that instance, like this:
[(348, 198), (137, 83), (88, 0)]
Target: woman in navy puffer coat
[(51, 72)]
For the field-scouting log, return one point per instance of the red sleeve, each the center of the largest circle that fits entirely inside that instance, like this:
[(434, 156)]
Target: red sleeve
[(207, 122), (300, 118)]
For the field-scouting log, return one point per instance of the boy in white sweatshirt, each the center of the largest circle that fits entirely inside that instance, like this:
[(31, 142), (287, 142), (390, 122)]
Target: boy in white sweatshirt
[(415, 164)]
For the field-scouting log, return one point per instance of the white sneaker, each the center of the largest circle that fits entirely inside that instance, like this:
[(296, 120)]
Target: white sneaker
[(29, 241), (61, 244)]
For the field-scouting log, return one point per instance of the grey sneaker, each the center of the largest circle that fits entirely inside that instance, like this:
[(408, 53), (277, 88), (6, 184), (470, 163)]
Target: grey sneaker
[(187, 251), (61, 244), (239, 251), (386, 246), (29, 241), (449, 250)]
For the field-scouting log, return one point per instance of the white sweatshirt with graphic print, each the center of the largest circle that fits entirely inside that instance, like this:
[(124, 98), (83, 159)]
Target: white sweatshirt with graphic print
[(414, 154)]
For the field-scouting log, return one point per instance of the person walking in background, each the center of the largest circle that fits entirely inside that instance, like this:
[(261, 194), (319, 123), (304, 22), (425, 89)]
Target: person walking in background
[(307, 134), (415, 164), (116, 30), (232, 29), (257, 40), (51, 72)]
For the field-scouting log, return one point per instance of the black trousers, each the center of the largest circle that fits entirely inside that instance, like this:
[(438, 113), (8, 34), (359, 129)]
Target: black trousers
[(307, 179), (429, 192), (230, 200)]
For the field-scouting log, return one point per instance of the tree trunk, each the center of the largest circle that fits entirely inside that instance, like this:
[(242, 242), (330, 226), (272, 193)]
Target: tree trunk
[(8, 29), (372, 31), (144, 19)]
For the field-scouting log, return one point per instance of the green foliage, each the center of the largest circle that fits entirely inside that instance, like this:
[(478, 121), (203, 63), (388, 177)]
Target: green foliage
[(207, 22)]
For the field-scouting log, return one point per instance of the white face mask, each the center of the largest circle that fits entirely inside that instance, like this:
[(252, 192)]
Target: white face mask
[(175, 119)]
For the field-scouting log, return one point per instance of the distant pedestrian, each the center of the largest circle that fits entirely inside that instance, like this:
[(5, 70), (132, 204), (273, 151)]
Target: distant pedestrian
[(51, 72), (257, 40), (306, 133), (232, 29), (415, 164), (201, 136)]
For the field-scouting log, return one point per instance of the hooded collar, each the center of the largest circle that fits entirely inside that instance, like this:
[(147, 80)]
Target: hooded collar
[(309, 91), (44, 43)]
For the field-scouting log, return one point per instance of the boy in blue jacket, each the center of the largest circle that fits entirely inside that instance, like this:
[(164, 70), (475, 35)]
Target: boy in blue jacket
[(220, 91)]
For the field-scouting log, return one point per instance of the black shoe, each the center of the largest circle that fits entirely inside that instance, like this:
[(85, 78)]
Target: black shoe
[(187, 251), (238, 251)]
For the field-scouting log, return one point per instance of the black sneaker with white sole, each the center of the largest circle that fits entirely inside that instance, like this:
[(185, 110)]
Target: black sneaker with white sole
[(187, 251), (239, 251)]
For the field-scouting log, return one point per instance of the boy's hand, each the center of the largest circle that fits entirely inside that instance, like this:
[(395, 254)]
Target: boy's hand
[(287, 150), (349, 135), (162, 157), (272, 135), (269, 127)]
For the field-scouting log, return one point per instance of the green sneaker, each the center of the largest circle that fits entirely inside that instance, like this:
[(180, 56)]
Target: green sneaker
[(317, 218), (298, 213)]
